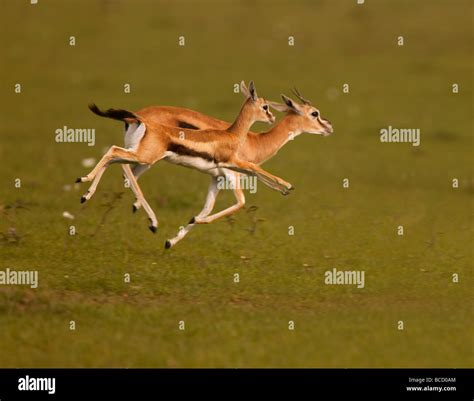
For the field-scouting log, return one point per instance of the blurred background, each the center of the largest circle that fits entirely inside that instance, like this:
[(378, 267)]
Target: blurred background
[(408, 278)]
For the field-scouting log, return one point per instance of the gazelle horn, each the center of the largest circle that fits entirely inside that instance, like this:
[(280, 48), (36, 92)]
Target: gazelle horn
[(298, 95)]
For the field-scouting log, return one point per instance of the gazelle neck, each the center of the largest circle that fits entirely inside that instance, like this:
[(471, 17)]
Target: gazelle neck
[(244, 120), (267, 144)]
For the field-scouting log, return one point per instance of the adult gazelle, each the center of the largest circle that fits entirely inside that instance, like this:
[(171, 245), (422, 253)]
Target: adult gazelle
[(210, 150), (258, 148)]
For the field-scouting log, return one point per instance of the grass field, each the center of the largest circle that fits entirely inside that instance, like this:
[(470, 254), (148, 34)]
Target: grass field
[(81, 277)]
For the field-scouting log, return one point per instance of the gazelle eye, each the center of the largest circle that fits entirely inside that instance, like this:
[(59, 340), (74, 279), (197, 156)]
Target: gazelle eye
[(265, 107), (315, 114)]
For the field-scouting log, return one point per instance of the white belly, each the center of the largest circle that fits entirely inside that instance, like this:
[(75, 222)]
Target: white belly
[(197, 163)]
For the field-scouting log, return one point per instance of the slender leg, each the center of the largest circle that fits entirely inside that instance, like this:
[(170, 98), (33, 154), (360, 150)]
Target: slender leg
[(239, 196), (268, 179), (139, 195), (208, 206), (138, 170), (114, 154), (93, 187)]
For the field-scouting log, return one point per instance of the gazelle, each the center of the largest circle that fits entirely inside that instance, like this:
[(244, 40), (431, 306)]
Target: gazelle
[(257, 149), (211, 150)]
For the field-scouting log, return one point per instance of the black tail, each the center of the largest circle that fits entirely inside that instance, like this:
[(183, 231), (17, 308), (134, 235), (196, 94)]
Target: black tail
[(115, 114)]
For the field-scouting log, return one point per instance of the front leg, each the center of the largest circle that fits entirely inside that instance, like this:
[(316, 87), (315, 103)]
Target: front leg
[(212, 193), (253, 169), (239, 196)]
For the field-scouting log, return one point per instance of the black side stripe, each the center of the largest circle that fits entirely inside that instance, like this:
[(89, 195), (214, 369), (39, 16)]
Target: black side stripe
[(184, 124), (185, 151)]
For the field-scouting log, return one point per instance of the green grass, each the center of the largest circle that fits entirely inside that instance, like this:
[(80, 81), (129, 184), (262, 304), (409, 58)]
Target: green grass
[(135, 324)]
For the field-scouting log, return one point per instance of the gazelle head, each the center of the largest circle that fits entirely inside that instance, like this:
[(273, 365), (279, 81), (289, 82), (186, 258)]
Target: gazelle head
[(259, 106), (308, 117)]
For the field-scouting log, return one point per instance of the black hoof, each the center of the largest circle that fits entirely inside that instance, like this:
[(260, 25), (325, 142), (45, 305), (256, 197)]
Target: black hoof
[(167, 244), (83, 199), (134, 209), (153, 229), (78, 179), (192, 221)]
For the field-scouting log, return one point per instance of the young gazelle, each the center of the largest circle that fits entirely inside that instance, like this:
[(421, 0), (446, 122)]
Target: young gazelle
[(147, 142), (257, 148)]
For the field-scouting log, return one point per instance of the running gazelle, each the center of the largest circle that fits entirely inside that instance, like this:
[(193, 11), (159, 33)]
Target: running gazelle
[(257, 148), (209, 150)]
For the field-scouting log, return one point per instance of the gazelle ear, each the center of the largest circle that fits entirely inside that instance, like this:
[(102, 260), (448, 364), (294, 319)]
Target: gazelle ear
[(244, 90), (292, 104), (278, 106), (253, 91)]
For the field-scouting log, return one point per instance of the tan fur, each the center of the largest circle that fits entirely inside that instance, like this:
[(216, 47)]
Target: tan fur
[(221, 147), (256, 149), (222, 144)]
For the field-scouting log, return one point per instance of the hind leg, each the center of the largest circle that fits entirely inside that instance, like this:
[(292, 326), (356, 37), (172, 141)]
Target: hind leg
[(137, 171), (140, 197), (114, 155), (93, 187)]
